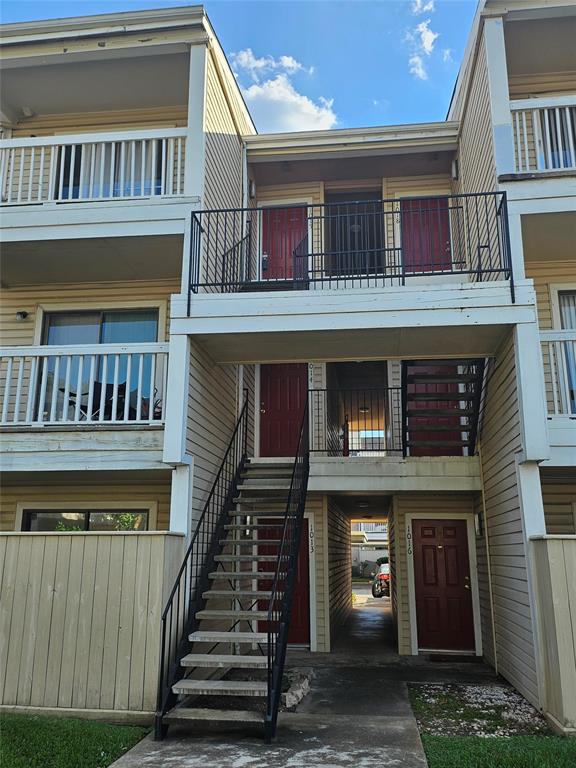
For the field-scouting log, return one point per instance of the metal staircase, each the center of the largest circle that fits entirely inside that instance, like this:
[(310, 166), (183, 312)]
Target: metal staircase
[(225, 626), (441, 406)]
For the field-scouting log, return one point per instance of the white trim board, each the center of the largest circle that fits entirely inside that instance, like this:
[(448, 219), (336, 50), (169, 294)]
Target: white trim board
[(470, 529), (312, 579)]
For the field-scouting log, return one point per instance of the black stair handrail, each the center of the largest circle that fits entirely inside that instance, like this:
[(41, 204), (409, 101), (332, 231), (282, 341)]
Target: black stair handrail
[(185, 598), (282, 593)]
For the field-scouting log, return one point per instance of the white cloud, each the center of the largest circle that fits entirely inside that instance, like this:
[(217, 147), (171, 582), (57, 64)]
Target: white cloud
[(422, 6), (447, 55), (258, 66), (427, 36), (277, 106), (417, 67)]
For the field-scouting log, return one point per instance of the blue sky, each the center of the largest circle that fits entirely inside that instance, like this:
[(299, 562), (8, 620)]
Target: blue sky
[(317, 64)]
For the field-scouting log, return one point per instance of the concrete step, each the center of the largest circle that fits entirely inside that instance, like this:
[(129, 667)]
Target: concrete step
[(217, 636), (223, 661), (233, 575), (253, 526), (236, 594), (264, 485), (259, 513), (221, 687), (231, 614), (191, 714), (261, 499)]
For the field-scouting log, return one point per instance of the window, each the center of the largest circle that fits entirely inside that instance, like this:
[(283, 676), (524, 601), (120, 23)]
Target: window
[(567, 308), (41, 520), (132, 373)]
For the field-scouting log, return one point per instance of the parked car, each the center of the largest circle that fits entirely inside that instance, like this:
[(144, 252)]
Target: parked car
[(381, 581)]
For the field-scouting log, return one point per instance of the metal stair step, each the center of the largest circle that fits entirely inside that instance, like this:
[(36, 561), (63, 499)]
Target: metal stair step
[(261, 500), (231, 614), (252, 526), (439, 428), (249, 542), (258, 513), (234, 575), (221, 687), (440, 378), (218, 636), (438, 443), (414, 412), (220, 661), (246, 558), (439, 396), (234, 594), (259, 485), (192, 714)]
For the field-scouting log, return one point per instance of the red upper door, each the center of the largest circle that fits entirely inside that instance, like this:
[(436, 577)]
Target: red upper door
[(444, 613), (426, 235), (283, 229), (283, 389)]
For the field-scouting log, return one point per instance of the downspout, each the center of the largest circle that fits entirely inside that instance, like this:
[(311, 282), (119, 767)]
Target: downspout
[(488, 561)]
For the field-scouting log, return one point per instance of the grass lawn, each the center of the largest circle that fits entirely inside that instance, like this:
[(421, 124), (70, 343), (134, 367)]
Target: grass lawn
[(36, 741), (485, 726)]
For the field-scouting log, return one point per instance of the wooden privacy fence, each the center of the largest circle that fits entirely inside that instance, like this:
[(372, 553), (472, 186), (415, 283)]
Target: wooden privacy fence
[(80, 618), (555, 566)]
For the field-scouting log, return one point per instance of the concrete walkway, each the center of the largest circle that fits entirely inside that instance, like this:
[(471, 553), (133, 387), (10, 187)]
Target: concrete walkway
[(357, 714)]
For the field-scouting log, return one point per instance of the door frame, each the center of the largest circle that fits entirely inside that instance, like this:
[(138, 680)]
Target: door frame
[(409, 538), (309, 516), (288, 202)]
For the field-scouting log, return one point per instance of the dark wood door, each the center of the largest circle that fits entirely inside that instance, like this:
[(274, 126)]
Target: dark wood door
[(444, 614), (425, 235), (283, 229), (283, 389), (442, 421), (299, 631)]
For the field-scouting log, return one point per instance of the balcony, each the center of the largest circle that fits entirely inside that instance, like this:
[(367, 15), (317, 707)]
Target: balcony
[(95, 386), (544, 134), (559, 358), (374, 244), (94, 185)]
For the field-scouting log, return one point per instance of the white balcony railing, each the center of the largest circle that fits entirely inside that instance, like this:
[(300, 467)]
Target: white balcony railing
[(544, 134), (559, 357), (84, 384), (89, 167)]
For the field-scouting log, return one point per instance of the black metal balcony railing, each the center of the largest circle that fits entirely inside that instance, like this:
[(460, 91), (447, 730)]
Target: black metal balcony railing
[(351, 245), (354, 422)]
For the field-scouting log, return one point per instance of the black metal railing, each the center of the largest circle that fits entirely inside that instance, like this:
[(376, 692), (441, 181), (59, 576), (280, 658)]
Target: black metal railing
[(280, 606), (353, 422), (358, 244), (185, 598)]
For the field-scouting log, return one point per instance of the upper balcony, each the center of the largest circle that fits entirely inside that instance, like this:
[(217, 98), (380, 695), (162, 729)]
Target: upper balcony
[(545, 135), (326, 273), (559, 358)]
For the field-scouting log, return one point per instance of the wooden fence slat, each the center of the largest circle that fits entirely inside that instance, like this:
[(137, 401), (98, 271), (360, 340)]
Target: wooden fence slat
[(57, 622), (31, 627), (70, 645), (110, 655), (85, 617), (139, 639), (47, 592), (125, 632), (96, 652), (17, 623), (7, 589)]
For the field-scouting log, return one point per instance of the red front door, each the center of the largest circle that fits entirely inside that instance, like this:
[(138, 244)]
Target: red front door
[(426, 235), (283, 229), (441, 421), (299, 630), (444, 613), (283, 389)]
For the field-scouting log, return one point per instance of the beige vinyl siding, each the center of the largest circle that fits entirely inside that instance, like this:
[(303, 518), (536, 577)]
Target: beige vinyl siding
[(484, 586), (223, 152), (416, 186), (544, 84), (109, 121), (339, 565), (545, 274), (78, 296), (559, 497), (500, 443), (312, 191), (477, 168), (212, 411), (435, 505), (81, 617), (80, 492), (316, 507)]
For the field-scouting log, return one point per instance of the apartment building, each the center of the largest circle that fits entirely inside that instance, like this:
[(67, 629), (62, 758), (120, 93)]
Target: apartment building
[(222, 347)]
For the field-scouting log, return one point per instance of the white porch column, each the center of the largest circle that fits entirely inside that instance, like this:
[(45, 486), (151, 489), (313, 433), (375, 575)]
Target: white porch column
[(531, 393), (502, 132), (195, 140), (177, 400), (181, 499)]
